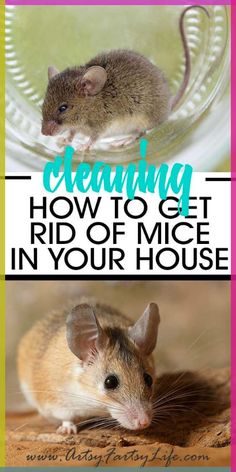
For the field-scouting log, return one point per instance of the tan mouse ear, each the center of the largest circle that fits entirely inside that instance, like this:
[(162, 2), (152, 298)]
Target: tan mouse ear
[(52, 71), (83, 331), (94, 80), (144, 332)]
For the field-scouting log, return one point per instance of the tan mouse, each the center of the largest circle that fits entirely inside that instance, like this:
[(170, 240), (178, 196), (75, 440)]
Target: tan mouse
[(91, 361), (118, 92)]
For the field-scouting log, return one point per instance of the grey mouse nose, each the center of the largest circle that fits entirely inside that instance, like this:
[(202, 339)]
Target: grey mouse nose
[(49, 128)]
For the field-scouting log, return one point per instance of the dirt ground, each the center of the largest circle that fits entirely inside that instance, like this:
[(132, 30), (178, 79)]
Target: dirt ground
[(195, 432)]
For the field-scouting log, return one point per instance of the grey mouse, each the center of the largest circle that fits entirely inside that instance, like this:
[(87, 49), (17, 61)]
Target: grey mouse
[(117, 92)]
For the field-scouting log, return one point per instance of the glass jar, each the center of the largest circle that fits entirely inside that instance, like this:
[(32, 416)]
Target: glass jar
[(197, 132)]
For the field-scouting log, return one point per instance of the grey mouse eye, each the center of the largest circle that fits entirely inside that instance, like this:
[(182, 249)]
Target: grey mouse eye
[(62, 108), (147, 379), (111, 382)]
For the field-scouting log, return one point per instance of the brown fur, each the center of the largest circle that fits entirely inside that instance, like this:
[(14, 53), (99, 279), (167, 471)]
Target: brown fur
[(135, 90)]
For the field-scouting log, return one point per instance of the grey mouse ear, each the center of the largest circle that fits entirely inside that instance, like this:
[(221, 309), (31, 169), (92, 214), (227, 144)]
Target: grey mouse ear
[(83, 331), (52, 71), (94, 80), (144, 332)]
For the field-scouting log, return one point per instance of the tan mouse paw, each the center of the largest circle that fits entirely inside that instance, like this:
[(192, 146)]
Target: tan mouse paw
[(67, 427)]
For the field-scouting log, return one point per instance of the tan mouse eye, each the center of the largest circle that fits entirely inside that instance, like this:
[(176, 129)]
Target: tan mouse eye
[(111, 382), (147, 379), (62, 108)]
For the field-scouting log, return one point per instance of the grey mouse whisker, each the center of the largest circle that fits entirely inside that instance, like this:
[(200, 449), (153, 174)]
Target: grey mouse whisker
[(155, 419), (22, 426), (89, 420), (184, 409), (197, 394), (189, 348), (178, 389), (159, 421), (172, 407), (180, 407), (101, 426), (97, 421), (182, 374), (184, 391), (176, 397), (105, 420), (93, 400)]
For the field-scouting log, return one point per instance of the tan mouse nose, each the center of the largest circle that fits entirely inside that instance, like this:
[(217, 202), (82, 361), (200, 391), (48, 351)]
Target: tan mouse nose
[(49, 128)]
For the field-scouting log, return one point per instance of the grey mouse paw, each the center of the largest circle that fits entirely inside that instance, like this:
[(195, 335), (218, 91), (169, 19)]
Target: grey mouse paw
[(66, 140), (63, 141), (67, 427), (125, 141), (82, 147)]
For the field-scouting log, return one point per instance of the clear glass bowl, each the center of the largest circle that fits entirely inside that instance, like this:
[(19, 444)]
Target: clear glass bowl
[(197, 132)]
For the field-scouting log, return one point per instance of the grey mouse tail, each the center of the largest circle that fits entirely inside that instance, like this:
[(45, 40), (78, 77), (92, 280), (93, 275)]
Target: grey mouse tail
[(187, 71)]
